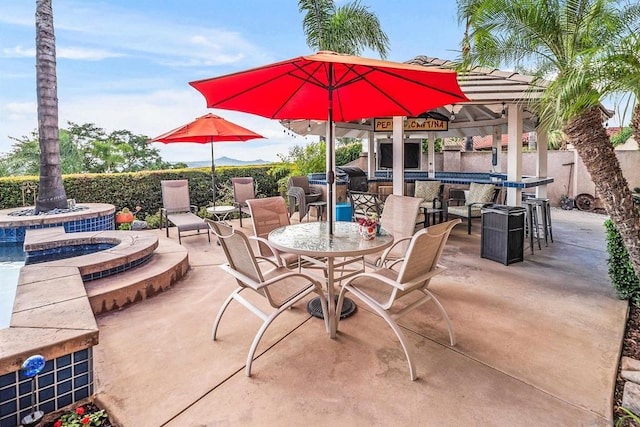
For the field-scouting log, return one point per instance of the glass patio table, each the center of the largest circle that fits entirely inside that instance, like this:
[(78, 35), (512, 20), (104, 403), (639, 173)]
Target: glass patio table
[(312, 239)]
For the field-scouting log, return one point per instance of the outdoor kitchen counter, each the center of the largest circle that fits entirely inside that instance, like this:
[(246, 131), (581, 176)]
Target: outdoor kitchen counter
[(462, 178)]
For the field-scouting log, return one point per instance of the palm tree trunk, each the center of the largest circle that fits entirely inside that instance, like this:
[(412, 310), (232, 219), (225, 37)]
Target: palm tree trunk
[(590, 139), (51, 194), (635, 123)]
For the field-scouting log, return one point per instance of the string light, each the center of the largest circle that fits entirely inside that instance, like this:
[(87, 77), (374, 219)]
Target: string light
[(503, 113), (287, 130), (309, 126), (452, 117)]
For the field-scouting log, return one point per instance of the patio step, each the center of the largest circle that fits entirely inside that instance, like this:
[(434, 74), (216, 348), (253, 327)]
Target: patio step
[(169, 263)]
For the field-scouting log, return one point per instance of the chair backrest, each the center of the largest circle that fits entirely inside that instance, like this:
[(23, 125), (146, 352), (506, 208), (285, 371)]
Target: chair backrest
[(425, 249), (300, 181), (175, 195), (266, 215), (481, 193), (399, 217), (237, 249), (243, 190), (427, 190), (363, 204)]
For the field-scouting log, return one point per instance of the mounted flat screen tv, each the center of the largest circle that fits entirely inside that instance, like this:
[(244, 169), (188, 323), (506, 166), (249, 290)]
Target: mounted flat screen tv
[(412, 155)]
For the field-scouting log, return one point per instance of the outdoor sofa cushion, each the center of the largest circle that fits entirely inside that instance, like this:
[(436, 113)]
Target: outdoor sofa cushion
[(479, 193)]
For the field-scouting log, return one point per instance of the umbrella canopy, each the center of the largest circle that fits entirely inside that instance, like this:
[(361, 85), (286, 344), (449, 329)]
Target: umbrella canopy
[(208, 129), (334, 87)]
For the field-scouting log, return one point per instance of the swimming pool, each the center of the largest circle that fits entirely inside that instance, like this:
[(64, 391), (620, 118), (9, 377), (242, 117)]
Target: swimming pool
[(12, 258)]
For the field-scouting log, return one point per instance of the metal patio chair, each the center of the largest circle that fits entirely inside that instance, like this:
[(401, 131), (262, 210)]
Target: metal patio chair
[(280, 286), (300, 194), (243, 190), (364, 204), (410, 275), (469, 205), (178, 210), (267, 214), (399, 217)]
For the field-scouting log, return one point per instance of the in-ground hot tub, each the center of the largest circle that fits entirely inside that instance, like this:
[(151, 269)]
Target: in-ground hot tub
[(52, 316), (86, 217)]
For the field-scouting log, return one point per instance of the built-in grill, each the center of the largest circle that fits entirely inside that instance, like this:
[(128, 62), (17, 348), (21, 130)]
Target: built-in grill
[(356, 178)]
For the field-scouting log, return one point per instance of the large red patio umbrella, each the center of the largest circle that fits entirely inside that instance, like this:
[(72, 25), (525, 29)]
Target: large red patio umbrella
[(207, 130), (333, 87)]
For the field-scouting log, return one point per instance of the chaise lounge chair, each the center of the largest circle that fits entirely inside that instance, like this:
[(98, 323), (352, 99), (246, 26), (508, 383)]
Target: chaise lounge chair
[(178, 210)]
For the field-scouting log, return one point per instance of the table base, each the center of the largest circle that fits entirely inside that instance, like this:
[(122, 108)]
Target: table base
[(314, 307)]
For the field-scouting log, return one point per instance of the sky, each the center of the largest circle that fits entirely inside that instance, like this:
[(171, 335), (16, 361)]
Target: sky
[(125, 64)]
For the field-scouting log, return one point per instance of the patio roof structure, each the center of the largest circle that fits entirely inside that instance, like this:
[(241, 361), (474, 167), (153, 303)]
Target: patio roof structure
[(500, 102), (489, 91)]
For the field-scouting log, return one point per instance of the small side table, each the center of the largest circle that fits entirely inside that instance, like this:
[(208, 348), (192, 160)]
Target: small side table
[(221, 212), (428, 210), (319, 209)]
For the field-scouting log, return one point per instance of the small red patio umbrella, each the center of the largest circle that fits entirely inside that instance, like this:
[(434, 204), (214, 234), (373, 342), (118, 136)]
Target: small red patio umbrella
[(334, 86), (207, 130)]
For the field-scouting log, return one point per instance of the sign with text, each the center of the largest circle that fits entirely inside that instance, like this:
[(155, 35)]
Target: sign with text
[(412, 124)]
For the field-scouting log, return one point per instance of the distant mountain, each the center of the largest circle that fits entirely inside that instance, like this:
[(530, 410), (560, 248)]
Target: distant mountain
[(226, 161)]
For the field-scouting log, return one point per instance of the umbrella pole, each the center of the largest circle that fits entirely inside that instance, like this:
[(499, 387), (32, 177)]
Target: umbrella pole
[(213, 177), (330, 174)]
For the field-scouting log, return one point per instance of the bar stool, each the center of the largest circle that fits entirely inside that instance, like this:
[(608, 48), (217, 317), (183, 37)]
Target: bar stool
[(532, 226), (545, 215)]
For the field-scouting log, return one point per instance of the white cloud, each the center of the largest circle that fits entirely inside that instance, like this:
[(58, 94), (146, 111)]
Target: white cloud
[(153, 114), (160, 111), (85, 54), (19, 52), (21, 107), (77, 53), (174, 40), (167, 42)]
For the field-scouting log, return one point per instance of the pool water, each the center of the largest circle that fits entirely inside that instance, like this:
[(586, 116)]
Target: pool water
[(12, 258), (64, 252)]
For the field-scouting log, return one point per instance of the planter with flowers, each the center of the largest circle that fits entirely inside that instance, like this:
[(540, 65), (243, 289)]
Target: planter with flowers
[(86, 415), (124, 216), (126, 220), (369, 226)]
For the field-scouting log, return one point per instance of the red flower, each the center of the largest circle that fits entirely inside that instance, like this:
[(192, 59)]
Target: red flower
[(80, 410), (57, 423), (368, 222), (86, 420)]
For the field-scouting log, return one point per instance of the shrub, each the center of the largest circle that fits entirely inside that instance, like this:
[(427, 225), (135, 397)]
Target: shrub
[(624, 279), (143, 188), (153, 221), (622, 136), (348, 153)]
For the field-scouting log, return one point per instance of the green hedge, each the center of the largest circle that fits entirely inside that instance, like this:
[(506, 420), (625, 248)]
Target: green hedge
[(624, 279), (143, 188)]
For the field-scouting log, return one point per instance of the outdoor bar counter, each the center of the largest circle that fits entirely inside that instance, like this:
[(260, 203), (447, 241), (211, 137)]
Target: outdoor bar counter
[(460, 178)]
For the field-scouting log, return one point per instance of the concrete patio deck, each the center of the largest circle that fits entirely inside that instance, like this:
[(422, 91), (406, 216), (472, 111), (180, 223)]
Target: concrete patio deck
[(538, 345)]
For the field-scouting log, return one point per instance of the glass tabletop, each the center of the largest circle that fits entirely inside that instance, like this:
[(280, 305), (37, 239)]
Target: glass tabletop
[(312, 238), (220, 209)]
